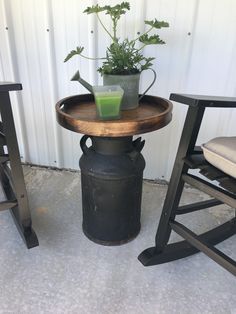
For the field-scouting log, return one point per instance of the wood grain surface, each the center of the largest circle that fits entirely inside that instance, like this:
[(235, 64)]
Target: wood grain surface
[(78, 114)]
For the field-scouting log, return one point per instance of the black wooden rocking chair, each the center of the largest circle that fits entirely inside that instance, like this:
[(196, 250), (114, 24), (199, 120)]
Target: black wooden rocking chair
[(12, 178), (188, 157)]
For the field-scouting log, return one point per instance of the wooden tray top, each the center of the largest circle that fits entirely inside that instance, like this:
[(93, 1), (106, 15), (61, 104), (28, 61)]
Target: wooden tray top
[(78, 114)]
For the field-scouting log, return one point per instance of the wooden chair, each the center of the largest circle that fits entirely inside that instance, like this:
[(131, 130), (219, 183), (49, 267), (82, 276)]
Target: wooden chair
[(189, 157), (12, 178)]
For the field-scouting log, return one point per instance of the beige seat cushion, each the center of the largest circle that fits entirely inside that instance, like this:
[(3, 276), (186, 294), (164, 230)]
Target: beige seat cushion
[(221, 153)]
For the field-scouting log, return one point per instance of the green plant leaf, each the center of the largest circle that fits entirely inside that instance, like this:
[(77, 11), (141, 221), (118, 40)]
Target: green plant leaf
[(157, 24), (151, 40), (124, 58), (95, 9), (117, 10), (113, 11), (147, 63), (77, 51)]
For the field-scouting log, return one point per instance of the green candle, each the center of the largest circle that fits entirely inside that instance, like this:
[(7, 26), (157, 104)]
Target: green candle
[(108, 101)]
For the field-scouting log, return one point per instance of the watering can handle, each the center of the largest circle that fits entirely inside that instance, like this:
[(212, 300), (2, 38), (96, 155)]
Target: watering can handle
[(154, 80)]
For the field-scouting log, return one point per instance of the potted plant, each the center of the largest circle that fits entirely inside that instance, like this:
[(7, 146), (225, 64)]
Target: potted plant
[(124, 61)]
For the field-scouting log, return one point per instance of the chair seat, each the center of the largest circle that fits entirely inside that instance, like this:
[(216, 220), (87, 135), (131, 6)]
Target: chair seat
[(221, 153)]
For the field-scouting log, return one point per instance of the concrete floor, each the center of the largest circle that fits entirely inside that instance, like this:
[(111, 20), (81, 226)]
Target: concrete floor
[(68, 273)]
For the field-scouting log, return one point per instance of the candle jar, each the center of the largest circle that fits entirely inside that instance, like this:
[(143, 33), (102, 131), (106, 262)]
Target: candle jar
[(108, 101)]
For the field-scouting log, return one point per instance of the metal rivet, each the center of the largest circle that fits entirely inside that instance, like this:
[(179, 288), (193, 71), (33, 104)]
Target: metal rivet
[(189, 33), (91, 32), (138, 33), (6, 28), (47, 29)]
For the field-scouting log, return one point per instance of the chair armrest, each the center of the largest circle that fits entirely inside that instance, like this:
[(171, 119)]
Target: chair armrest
[(9, 86), (204, 101)]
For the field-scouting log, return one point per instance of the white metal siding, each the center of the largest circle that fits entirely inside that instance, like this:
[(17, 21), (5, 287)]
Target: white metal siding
[(35, 37)]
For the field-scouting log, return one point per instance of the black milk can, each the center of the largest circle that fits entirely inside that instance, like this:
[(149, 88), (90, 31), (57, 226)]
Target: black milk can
[(111, 177)]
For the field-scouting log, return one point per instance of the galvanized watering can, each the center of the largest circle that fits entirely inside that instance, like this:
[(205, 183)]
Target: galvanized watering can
[(129, 83)]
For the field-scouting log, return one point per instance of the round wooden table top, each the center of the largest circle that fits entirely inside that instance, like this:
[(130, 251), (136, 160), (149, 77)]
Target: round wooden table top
[(78, 114)]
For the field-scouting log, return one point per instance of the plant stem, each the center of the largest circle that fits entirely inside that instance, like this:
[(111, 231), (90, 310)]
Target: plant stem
[(114, 29), (104, 27), (89, 58), (141, 47)]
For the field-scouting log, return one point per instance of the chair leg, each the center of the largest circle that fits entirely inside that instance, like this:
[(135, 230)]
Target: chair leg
[(178, 250), (186, 146), (204, 246)]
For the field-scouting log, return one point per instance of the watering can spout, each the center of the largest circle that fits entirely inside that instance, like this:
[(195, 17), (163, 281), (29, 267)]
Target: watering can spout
[(78, 78)]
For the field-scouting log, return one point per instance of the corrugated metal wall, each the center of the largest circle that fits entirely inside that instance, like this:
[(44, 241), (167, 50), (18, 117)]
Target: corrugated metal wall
[(35, 37)]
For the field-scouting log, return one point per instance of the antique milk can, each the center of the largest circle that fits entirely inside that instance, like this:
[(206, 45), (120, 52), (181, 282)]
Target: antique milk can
[(112, 175)]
